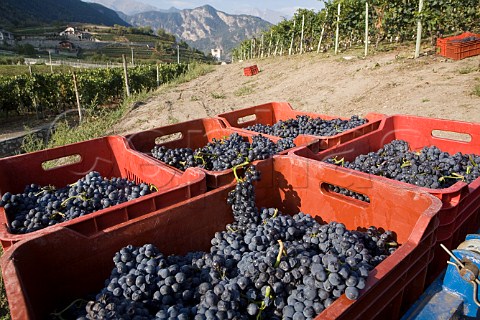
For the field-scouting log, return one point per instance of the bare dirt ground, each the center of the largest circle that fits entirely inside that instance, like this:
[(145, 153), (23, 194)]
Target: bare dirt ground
[(342, 85)]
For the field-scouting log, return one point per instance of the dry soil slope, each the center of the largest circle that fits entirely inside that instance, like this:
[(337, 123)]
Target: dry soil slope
[(390, 83)]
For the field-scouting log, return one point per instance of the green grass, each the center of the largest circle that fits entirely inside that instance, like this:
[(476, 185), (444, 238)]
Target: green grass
[(172, 119), (243, 91), (476, 90), (93, 126), (467, 70), (216, 95), (195, 70)]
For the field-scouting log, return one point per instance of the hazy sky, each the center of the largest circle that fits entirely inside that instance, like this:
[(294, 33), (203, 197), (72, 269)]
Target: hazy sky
[(244, 6)]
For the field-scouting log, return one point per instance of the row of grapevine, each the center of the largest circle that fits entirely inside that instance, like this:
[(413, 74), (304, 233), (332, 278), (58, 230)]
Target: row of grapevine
[(54, 93), (389, 20)]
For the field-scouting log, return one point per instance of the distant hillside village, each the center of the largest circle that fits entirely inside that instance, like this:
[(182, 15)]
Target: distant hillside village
[(70, 32), (66, 42), (100, 43), (7, 37)]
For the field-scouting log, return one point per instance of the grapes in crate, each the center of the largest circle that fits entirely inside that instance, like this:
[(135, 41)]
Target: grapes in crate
[(40, 207), (429, 167), (291, 128), (265, 265), (222, 154)]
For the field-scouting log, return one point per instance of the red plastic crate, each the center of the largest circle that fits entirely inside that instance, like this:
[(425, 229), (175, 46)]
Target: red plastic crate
[(460, 213), (272, 112), (251, 70), (111, 158), (456, 48), (289, 184), (196, 134)]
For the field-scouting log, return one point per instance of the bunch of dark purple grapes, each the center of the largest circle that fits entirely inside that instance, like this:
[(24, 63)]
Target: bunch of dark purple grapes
[(291, 128), (38, 207), (222, 154), (265, 265)]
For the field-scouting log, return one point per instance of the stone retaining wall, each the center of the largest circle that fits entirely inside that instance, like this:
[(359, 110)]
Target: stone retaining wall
[(13, 146)]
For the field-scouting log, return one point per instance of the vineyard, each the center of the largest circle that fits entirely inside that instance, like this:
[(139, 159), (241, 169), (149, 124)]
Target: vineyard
[(163, 51), (388, 21), (54, 93)]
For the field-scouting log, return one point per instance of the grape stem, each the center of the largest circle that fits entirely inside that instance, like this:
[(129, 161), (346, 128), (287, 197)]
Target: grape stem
[(64, 202), (453, 176), (406, 163), (46, 189), (59, 314), (264, 304), (280, 251), (472, 161), (153, 187), (239, 166), (201, 158), (57, 213), (392, 244), (275, 213), (339, 162)]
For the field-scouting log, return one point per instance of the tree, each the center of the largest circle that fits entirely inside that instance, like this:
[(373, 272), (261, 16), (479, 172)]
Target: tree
[(26, 49)]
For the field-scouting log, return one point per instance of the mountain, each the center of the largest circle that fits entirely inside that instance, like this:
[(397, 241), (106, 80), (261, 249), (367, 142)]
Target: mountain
[(204, 28), (128, 7), (271, 16), (20, 13)]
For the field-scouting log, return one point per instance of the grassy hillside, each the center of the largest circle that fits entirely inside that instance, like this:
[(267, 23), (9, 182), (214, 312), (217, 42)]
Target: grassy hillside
[(22, 13), (146, 45)]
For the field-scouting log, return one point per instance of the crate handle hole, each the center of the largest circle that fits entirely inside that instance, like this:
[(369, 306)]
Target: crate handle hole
[(342, 192), (248, 118), (60, 162), (451, 135), (169, 138)]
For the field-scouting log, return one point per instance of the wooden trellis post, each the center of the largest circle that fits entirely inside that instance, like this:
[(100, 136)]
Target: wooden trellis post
[(261, 47), (77, 96), (270, 44), (301, 37), (323, 31), (336, 33), (127, 87), (419, 30), (293, 36), (366, 29)]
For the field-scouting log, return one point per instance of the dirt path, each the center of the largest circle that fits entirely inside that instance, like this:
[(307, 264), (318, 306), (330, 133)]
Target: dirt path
[(390, 83)]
